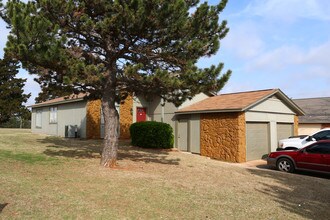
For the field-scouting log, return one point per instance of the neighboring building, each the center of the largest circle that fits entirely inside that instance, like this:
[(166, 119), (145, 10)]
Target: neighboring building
[(317, 114), (232, 127), (237, 127)]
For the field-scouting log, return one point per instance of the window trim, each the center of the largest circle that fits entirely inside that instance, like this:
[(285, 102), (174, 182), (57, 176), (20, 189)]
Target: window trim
[(38, 112), (52, 113)]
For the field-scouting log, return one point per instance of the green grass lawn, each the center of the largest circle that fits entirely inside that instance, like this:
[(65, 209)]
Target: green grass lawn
[(43, 177)]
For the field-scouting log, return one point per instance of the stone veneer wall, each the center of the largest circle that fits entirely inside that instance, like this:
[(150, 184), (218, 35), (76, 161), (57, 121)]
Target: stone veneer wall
[(126, 117), (223, 136), (296, 125), (93, 121)]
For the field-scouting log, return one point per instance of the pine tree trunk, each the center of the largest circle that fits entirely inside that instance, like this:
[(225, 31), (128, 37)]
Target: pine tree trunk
[(111, 125)]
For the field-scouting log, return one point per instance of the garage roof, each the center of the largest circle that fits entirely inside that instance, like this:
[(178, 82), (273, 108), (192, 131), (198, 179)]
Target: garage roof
[(237, 102), (317, 110)]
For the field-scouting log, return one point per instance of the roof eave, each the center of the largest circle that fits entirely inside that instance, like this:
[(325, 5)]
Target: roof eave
[(208, 111), (291, 103), (56, 103), (286, 99)]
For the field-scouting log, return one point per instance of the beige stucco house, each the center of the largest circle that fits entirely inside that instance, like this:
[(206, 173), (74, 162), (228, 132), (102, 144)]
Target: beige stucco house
[(60, 117), (74, 116), (232, 127)]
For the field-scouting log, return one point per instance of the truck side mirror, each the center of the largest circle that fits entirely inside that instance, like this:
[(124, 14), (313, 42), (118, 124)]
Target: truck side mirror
[(310, 138)]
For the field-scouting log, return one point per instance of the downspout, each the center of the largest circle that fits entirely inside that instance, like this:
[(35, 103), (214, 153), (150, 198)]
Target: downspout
[(162, 103)]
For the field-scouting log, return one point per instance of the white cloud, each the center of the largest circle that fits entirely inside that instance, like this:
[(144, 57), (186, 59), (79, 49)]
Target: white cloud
[(279, 44), (290, 10), (301, 72), (319, 55), (292, 55), (243, 40), (277, 59), (234, 86), (307, 83)]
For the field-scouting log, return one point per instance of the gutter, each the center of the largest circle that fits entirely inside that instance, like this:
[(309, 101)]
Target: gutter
[(209, 111), (56, 103)]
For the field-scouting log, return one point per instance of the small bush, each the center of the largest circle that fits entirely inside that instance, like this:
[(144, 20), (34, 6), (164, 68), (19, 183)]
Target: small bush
[(152, 134)]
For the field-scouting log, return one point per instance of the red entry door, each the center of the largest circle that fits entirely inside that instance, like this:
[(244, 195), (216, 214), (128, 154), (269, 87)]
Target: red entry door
[(141, 114)]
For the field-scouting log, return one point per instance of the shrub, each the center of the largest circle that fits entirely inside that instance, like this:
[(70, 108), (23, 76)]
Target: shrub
[(152, 134)]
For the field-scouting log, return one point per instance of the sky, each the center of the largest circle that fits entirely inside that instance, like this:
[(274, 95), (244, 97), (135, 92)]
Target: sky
[(281, 44)]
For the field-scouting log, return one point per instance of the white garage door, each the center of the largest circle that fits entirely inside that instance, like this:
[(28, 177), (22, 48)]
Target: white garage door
[(284, 131), (257, 140)]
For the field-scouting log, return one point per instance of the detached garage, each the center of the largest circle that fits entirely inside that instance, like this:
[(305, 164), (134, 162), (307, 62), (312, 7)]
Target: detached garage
[(237, 127)]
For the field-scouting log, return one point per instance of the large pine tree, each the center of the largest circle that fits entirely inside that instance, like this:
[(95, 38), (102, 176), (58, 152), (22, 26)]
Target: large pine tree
[(12, 94), (51, 87), (112, 48)]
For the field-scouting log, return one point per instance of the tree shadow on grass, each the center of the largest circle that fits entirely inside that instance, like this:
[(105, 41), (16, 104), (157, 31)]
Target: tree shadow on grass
[(73, 148), (89, 149), (305, 195), (137, 154), (2, 206)]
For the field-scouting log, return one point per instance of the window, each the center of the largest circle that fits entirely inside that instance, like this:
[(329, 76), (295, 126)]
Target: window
[(321, 148), (53, 115), (323, 135), (38, 118)]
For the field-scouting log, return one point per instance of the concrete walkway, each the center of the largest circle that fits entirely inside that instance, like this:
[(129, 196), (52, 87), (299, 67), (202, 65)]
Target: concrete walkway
[(259, 164)]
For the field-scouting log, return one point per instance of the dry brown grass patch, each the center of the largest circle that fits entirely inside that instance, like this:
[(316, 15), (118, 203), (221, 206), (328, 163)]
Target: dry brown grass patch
[(148, 184)]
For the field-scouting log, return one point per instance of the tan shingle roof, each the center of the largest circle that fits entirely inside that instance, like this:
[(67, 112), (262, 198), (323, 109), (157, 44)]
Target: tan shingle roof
[(229, 102), (60, 100)]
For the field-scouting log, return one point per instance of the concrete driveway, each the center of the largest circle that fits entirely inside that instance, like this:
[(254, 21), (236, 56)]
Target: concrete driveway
[(261, 164)]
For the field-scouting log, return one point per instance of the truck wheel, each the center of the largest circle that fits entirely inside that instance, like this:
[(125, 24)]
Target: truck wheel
[(285, 165)]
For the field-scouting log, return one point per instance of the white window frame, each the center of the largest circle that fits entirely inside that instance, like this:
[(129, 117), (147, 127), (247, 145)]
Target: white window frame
[(53, 115), (38, 119)]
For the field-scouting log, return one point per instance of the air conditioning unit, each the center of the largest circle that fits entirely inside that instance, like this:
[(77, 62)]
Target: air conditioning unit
[(71, 131)]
